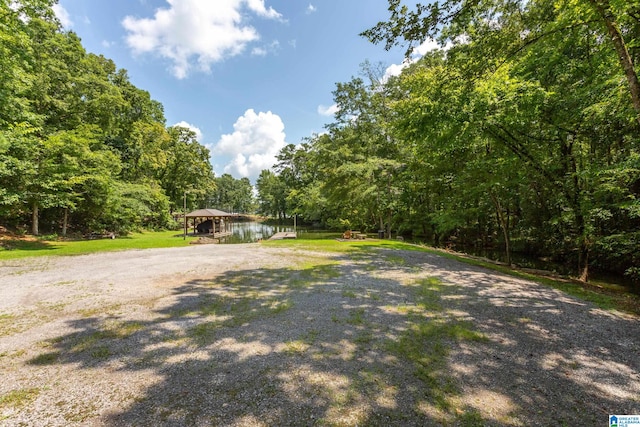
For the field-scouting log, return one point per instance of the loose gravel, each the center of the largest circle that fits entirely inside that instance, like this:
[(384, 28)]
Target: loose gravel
[(249, 335)]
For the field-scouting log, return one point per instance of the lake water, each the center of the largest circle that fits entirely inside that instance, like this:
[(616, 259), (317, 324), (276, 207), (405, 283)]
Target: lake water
[(251, 232)]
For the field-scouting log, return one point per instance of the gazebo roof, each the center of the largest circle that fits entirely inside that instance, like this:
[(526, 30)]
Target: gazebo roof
[(208, 213)]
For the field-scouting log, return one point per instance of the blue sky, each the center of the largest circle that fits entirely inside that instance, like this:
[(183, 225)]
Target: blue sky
[(250, 76)]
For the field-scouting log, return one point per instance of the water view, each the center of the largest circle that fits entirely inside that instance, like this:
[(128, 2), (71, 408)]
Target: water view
[(251, 232)]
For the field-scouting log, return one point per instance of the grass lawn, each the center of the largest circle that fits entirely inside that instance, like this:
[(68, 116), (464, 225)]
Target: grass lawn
[(605, 295), (14, 249), (22, 248)]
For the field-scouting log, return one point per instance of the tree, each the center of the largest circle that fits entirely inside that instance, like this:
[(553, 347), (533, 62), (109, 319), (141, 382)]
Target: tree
[(18, 58), (187, 169), (509, 82), (271, 195), (454, 20), (78, 140), (234, 195)]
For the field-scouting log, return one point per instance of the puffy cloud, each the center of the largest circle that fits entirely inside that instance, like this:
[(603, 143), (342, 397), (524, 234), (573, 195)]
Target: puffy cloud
[(395, 70), (426, 47), (253, 145), (265, 50), (311, 9), (328, 111), (417, 53), (193, 128), (258, 7), (62, 15), (196, 32), (259, 51)]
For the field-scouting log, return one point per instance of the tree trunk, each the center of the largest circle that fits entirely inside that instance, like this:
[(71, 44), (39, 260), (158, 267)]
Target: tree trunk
[(504, 225), (583, 261), (34, 219), (604, 10), (65, 221)]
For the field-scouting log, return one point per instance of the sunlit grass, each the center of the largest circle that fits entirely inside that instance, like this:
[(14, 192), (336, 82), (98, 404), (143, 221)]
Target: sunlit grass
[(19, 398), (336, 245), (146, 240), (601, 294), (426, 344)]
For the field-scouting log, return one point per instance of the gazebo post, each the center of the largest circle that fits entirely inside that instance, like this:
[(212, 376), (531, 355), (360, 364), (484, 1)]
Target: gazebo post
[(203, 215)]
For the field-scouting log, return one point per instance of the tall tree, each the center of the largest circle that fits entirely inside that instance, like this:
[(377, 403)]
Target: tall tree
[(271, 195), (188, 169), (234, 195), (453, 20)]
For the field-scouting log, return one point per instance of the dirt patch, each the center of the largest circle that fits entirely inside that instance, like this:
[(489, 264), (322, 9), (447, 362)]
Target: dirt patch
[(248, 335), (8, 238)]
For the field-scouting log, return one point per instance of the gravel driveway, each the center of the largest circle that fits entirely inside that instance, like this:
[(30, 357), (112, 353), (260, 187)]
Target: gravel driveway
[(249, 335)]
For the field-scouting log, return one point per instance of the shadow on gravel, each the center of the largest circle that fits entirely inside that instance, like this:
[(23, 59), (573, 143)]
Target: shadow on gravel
[(365, 339)]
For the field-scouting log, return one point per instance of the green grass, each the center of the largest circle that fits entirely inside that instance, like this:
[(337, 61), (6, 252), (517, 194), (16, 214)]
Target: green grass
[(146, 240), (333, 245), (426, 345), (601, 294), (19, 398), (45, 359)]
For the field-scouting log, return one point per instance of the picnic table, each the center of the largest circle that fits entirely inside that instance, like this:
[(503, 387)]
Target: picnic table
[(350, 234)]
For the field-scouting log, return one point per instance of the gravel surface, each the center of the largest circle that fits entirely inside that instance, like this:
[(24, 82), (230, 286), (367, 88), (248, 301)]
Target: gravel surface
[(248, 335)]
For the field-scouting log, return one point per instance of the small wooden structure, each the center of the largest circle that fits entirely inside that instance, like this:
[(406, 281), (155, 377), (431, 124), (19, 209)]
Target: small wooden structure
[(350, 234), (212, 221), (284, 235)]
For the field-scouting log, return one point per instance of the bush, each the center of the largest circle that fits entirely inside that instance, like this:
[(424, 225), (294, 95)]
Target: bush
[(133, 207), (619, 253)]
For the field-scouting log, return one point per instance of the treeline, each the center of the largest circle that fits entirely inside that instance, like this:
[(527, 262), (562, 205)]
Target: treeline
[(521, 133), (81, 148)]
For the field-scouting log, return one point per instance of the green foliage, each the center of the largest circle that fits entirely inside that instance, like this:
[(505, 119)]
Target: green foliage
[(133, 207), (81, 147), (271, 195), (187, 169), (233, 195), (619, 252), (520, 135)]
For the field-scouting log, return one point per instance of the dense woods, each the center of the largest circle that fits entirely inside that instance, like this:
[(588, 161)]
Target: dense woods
[(520, 132), (81, 148)]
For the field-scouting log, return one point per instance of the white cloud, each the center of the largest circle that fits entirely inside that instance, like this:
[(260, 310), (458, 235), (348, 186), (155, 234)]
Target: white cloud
[(417, 53), (193, 128), (265, 50), (328, 111), (254, 144), (426, 47), (196, 33), (259, 51), (258, 7), (311, 9), (62, 15), (395, 69)]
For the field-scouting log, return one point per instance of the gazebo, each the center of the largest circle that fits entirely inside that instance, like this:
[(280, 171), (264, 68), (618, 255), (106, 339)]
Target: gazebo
[(211, 221)]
